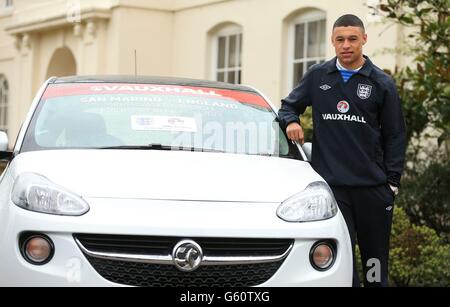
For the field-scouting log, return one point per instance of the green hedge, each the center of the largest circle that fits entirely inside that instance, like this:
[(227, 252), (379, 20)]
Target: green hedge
[(426, 197), (418, 256)]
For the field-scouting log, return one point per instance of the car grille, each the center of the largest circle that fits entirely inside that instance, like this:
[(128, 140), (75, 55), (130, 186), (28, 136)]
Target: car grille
[(134, 273)]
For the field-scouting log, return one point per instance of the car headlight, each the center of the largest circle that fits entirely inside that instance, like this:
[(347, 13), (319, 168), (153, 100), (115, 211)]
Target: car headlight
[(36, 193), (315, 203)]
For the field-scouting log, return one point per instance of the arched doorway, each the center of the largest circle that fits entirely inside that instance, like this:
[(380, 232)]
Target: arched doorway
[(62, 63)]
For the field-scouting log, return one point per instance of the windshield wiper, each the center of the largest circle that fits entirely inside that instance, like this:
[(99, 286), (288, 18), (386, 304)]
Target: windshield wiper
[(268, 154), (146, 147), (160, 147), (265, 154)]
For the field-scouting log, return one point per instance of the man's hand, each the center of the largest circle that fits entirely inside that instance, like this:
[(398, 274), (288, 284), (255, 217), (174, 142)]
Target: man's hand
[(394, 189), (295, 133)]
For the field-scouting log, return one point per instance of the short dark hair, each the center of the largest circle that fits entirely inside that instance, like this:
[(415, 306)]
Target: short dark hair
[(349, 20)]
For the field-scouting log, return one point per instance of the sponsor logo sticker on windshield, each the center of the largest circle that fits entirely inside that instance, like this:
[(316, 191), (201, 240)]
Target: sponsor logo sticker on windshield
[(99, 90), (163, 123), (153, 89)]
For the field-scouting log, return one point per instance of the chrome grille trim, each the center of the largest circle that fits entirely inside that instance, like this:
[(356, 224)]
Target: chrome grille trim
[(167, 259)]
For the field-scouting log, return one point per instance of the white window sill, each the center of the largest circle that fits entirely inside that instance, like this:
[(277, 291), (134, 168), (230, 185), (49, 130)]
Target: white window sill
[(6, 11)]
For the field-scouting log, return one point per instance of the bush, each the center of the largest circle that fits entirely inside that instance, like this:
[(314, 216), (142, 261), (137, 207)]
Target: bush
[(426, 198), (418, 257)]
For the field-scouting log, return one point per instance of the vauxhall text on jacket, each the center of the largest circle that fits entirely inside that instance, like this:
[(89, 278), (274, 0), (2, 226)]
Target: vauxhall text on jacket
[(359, 136)]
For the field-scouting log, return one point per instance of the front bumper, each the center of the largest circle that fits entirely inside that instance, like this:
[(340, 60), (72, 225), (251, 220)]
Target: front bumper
[(187, 219)]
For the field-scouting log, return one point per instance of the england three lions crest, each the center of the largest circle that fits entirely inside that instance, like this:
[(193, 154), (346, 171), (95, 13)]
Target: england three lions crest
[(364, 91)]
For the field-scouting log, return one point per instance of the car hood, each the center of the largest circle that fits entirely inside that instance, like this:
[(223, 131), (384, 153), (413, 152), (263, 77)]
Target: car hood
[(169, 175)]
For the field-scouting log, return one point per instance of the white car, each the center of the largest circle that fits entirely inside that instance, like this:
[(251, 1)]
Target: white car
[(141, 181)]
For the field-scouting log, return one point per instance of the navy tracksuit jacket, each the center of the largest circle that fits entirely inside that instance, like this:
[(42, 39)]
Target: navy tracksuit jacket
[(359, 145), (359, 131)]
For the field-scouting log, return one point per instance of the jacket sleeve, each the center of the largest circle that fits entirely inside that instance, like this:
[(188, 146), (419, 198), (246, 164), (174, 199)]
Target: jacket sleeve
[(393, 130), (297, 101)]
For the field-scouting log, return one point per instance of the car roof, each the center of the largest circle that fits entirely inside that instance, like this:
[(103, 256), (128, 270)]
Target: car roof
[(150, 80)]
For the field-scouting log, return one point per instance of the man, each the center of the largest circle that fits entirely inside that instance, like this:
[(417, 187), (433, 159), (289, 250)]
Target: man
[(358, 141)]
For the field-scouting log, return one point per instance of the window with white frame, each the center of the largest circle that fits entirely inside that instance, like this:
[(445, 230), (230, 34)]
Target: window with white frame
[(307, 44), (6, 7), (8, 3), (4, 100), (228, 55)]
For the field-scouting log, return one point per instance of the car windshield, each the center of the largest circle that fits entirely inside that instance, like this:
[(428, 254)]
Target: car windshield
[(140, 116)]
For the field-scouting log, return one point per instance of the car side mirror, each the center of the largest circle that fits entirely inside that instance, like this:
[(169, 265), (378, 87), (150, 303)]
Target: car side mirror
[(4, 153), (307, 148)]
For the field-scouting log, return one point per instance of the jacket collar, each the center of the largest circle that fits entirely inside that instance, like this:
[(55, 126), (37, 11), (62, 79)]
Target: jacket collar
[(365, 70)]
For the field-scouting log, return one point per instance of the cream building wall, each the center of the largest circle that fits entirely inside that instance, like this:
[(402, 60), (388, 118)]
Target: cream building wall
[(39, 38)]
